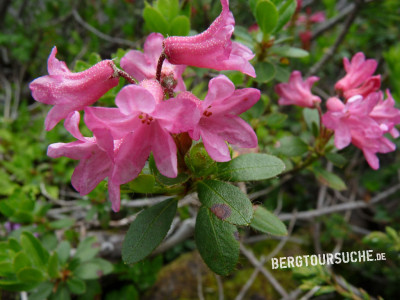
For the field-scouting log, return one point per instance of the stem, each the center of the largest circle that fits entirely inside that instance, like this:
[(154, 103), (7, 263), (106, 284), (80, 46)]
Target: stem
[(123, 74), (159, 66)]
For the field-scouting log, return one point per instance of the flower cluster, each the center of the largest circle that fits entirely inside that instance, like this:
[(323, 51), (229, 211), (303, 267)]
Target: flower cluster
[(151, 113), (362, 118)]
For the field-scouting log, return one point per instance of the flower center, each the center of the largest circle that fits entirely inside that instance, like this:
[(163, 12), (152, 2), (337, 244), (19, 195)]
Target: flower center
[(146, 119)]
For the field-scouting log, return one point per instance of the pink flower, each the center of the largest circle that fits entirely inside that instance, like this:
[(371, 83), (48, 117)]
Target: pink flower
[(96, 156), (143, 65), (318, 17), (370, 85), (69, 91), (297, 91), (219, 120), (212, 48), (354, 123), (386, 114), (144, 123), (358, 71)]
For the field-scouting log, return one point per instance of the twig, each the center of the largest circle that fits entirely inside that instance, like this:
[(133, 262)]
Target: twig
[(328, 55), (101, 35), (199, 283), (60, 202), (220, 287), (144, 201), (256, 263), (310, 293), (7, 96), (269, 189), (305, 215), (250, 281)]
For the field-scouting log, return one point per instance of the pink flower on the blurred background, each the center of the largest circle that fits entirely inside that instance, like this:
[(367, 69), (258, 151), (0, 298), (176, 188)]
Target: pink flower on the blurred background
[(220, 121), (386, 114), (143, 65), (356, 122), (358, 72), (297, 92), (69, 91), (212, 48), (96, 156)]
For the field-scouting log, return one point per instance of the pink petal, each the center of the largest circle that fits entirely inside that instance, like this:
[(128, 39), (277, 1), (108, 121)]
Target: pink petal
[(71, 124), (138, 65), (90, 172), (74, 150), (134, 99), (104, 141), (153, 46), (54, 66), (219, 88), (56, 114), (371, 158), (115, 195), (240, 101), (164, 151), (215, 146)]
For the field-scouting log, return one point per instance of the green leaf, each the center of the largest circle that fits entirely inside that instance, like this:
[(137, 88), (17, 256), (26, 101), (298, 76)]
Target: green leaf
[(52, 268), (267, 222), (286, 10), (155, 21), (63, 251), (168, 8), (62, 293), (87, 249), (32, 245), (88, 270), (216, 242), (329, 179), (225, 201), (21, 260), (337, 159), (266, 15), (6, 269), (287, 51), (76, 285), (42, 292), (265, 71), (61, 224), (144, 183), (291, 146), (30, 275), (180, 26), (148, 230), (252, 166), (14, 285), (275, 119)]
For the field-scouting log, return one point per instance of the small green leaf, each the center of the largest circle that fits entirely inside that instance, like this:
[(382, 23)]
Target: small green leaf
[(252, 166), (143, 184), (267, 222), (32, 245), (52, 268), (76, 285), (275, 119), (168, 8), (329, 179), (148, 230), (291, 146), (6, 268), (225, 201), (62, 293), (265, 71), (63, 251), (180, 26), (286, 10), (61, 224), (216, 242), (30, 275), (87, 249), (337, 159), (199, 162), (155, 21), (88, 270), (21, 260), (287, 51), (266, 15), (42, 292)]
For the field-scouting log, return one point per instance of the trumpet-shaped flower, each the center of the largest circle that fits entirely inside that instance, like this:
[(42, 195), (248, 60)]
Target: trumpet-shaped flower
[(96, 155), (69, 91), (297, 92), (212, 48), (144, 123), (358, 71), (219, 121), (143, 65)]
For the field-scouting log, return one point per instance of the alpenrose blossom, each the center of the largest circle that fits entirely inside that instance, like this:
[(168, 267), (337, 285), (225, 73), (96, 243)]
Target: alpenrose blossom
[(297, 92), (354, 123), (385, 114), (220, 122), (144, 123), (96, 155), (69, 91), (212, 48), (358, 71), (143, 65)]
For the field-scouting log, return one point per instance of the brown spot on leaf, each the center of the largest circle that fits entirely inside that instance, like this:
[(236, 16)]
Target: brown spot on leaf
[(222, 211)]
